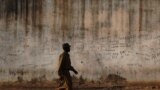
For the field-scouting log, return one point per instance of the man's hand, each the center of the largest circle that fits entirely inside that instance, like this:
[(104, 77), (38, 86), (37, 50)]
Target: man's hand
[(75, 72)]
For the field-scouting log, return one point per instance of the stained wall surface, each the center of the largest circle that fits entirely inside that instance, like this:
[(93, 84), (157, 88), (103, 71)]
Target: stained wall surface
[(106, 36)]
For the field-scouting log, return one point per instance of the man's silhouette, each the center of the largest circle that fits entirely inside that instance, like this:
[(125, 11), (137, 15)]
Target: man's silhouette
[(65, 67)]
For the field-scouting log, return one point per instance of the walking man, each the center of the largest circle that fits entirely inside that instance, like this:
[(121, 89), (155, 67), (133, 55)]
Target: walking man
[(65, 67)]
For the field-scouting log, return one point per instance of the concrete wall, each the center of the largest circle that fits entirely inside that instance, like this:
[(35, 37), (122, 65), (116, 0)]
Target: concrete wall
[(107, 36)]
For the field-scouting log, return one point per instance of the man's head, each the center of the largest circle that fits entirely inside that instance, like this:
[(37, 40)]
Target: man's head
[(66, 47)]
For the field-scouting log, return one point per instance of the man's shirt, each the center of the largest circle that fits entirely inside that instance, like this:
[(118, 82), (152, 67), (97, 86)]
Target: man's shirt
[(64, 63)]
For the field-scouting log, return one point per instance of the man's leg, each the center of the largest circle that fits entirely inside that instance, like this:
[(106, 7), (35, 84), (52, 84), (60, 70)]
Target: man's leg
[(61, 81), (69, 81)]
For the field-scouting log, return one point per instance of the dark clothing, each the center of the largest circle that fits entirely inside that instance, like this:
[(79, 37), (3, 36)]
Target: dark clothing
[(64, 68)]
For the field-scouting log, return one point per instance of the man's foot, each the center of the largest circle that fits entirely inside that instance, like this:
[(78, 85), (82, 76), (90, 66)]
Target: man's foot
[(61, 88)]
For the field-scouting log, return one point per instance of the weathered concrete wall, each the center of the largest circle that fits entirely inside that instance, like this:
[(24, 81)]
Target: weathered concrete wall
[(107, 36)]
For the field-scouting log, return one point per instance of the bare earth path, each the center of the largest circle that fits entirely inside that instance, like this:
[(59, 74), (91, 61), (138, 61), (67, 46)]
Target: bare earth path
[(131, 88)]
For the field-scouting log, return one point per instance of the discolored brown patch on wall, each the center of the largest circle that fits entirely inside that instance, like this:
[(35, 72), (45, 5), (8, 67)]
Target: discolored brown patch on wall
[(22, 10), (65, 17), (37, 17)]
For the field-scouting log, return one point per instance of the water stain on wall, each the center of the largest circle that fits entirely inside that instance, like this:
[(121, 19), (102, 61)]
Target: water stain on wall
[(28, 11)]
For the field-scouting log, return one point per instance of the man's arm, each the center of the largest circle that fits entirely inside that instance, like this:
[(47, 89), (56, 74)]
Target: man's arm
[(72, 69)]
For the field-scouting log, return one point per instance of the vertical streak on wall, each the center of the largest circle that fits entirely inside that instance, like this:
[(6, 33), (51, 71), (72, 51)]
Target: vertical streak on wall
[(58, 21), (36, 18), (33, 17), (6, 16), (83, 8), (140, 15), (54, 30), (70, 22), (16, 18), (40, 11), (95, 12), (64, 5), (110, 10)]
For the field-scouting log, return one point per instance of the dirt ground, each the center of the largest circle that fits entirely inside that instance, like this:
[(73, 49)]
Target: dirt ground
[(88, 88), (131, 88), (82, 86)]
